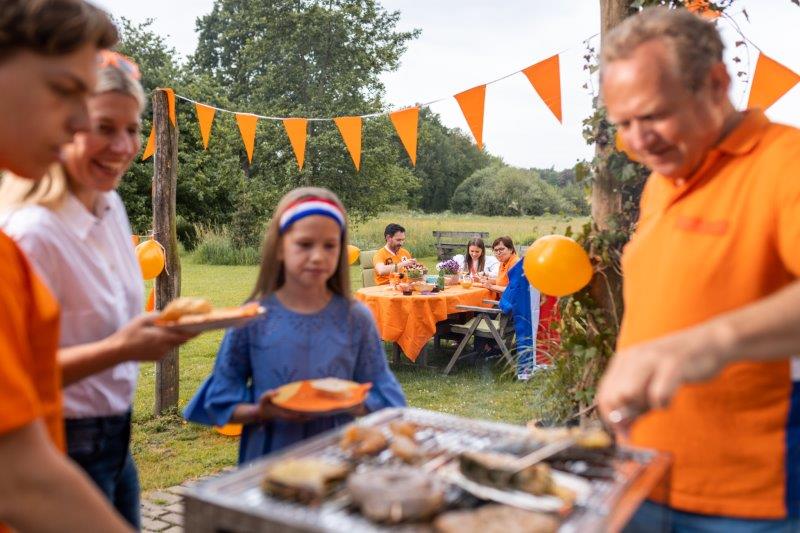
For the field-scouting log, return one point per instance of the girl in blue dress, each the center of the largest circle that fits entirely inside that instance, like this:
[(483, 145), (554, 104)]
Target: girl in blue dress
[(312, 329)]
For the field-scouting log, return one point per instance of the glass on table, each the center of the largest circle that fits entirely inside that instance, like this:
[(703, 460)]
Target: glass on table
[(465, 280)]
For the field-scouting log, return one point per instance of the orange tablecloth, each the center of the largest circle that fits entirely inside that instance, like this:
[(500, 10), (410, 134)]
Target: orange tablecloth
[(410, 321)]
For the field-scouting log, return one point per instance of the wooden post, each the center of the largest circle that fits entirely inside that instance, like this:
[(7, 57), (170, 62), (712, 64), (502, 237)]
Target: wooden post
[(168, 283)]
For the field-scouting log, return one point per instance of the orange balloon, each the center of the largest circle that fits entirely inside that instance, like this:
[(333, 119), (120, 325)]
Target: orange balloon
[(135, 240), (151, 258), (229, 430), (557, 265), (352, 253)]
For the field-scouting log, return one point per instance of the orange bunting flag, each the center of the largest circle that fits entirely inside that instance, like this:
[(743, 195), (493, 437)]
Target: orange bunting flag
[(771, 80), (545, 76), (405, 123), (701, 7), (150, 306), (296, 129), (150, 147), (205, 117), (350, 128), (247, 127), (471, 103), (171, 106)]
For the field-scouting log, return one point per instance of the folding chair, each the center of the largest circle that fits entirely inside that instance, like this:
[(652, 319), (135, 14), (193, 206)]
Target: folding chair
[(367, 269), (488, 323)]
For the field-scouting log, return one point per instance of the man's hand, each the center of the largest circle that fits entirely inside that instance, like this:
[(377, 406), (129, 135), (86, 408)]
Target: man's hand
[(408, 263), (647, 376)]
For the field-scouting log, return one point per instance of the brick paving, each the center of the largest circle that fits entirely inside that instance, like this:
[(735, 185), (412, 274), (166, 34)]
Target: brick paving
[(162, 511)]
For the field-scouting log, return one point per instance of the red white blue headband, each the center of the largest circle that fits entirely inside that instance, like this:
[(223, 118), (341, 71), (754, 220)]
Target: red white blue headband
[(311, 206)]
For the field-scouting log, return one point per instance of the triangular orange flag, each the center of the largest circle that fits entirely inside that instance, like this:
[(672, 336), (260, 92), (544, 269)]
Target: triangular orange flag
[(350, 128), (545, 76), (171, 105), (771, 80), (205, 117), (471, 103), (701, 7), (247, 127), (296, 129), (150, 147), (150, 306), (405, 123)]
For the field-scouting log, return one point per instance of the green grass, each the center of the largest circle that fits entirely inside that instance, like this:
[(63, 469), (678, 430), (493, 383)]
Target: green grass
[(419, 228), (170, 451)]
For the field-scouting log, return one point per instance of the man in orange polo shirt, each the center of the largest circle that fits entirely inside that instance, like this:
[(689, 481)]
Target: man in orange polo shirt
[(712, 299), (392, 257), (48, 58)]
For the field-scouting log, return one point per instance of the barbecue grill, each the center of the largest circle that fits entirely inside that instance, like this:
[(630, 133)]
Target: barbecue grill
[(620, 479)]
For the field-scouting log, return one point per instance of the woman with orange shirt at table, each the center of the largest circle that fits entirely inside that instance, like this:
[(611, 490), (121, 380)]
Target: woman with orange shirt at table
[(504, 251)]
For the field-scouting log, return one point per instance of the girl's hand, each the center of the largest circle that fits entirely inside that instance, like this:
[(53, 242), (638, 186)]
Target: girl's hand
[(269, 411)]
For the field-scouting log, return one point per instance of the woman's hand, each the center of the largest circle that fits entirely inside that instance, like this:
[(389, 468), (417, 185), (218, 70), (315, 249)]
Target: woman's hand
[(269, 411), (142, 340)]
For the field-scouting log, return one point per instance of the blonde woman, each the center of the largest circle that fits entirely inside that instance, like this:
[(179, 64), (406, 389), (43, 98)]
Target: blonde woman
[(73, 227), (313, 329)]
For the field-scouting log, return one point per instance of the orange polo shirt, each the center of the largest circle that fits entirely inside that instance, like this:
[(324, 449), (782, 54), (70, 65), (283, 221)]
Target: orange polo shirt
[(30, 381), (385, 257), (727, 236), (502, 274)]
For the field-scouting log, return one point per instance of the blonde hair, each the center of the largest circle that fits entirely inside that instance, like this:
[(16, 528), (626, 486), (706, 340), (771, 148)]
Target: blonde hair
[(51, 190), (271, 274), (694, 42)]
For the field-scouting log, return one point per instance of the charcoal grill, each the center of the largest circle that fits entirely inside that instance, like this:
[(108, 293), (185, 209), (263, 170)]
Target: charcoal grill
[(235, 502)]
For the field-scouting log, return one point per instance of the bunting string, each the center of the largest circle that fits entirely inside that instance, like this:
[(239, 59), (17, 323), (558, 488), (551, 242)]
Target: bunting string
[(770, 81), (382, 113)]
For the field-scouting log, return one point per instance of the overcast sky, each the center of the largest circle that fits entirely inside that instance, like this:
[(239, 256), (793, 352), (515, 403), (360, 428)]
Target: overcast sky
[(468, 42)]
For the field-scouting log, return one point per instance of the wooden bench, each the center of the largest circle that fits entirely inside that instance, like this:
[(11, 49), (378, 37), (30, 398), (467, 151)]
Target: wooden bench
[(450, 243)]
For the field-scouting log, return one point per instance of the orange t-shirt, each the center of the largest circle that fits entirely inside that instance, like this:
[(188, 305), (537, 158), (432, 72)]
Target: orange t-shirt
[(30, 381), (724, 238), (385, 257), (502, 274)]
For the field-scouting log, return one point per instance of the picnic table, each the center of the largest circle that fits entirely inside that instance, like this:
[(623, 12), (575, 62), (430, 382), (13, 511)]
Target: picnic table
[(410, 321)]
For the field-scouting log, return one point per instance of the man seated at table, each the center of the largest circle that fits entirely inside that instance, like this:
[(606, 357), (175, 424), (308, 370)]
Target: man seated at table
[(392, 257)]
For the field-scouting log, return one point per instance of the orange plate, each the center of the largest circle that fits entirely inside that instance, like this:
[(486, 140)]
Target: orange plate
[(225, 317), (306, 399)]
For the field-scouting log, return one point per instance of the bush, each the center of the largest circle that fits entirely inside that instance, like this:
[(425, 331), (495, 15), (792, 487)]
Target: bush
[(500, 190), (217, 247), (187, 233)]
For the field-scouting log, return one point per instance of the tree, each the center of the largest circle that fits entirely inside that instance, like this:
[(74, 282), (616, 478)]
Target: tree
[(508, 191), (447, 156), (209, 183), (308, 58)]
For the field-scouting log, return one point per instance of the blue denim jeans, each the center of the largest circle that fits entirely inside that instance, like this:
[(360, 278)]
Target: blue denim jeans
[(654, 518), (101, 446)]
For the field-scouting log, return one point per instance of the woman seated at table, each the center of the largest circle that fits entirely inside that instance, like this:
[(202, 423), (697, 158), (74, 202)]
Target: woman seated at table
[(475, 261), (506, 254)]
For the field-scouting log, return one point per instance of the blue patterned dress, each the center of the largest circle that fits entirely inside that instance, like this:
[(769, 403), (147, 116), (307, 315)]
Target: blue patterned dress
[(339, 341)]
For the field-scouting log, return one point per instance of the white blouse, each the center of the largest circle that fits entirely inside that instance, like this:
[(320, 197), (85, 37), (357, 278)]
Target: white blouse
[(491, 266), (88, 262)]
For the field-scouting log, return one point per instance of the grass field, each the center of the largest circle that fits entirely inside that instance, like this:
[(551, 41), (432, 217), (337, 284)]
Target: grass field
[(420, 227), (169, 451)]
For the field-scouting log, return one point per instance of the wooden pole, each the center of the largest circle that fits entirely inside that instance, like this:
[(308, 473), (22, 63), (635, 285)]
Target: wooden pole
[(168, 283)]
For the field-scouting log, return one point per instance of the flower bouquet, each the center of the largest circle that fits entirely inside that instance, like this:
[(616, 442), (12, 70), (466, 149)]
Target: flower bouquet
[(449, 270)]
